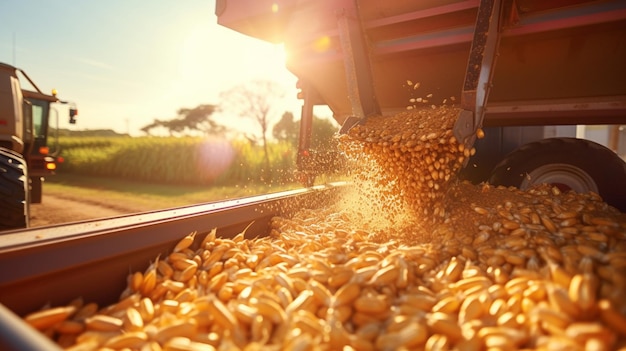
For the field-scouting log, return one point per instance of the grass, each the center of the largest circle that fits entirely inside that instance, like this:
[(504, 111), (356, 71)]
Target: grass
[(135, 196)]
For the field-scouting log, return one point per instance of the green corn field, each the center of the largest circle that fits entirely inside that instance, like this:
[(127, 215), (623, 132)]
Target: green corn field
[(172, 160)]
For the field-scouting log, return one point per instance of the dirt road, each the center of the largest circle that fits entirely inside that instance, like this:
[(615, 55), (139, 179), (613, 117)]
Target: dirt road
[(56, 210)]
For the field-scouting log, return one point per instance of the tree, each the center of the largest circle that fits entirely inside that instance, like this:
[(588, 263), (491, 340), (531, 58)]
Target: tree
[(287, 129), (322, 133), (148, 127), (198, 119), (256, 100)]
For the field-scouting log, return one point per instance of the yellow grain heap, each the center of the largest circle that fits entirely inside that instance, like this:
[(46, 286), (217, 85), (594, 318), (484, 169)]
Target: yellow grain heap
[(501, 269), (319, 283)]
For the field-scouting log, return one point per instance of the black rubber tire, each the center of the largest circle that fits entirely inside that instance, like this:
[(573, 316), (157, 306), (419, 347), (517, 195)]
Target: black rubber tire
[(36, 189), (605, 168), (14, 202)]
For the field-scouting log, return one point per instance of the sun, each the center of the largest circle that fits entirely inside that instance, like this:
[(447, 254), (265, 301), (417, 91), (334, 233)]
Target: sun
[(214, 60)]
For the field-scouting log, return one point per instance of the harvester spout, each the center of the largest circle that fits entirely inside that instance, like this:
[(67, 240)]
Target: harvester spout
[(357, 66), (480, 67)]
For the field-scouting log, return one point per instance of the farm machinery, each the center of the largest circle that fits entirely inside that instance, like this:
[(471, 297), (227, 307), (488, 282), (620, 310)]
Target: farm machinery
[(25, 157), (527, 72)]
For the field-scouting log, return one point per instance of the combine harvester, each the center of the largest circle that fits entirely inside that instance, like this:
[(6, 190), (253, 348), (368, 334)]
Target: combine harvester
[(522, 70)]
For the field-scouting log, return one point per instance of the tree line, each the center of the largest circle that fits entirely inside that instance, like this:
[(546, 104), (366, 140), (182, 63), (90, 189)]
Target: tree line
[(256, 100)]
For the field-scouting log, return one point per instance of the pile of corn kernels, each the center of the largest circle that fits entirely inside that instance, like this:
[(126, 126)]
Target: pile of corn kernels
[(454, 267)]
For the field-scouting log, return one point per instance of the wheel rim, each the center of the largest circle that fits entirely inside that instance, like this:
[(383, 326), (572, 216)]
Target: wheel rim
[(564, 176)]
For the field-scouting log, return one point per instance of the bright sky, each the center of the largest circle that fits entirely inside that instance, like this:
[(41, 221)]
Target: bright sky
[(125, 63)]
